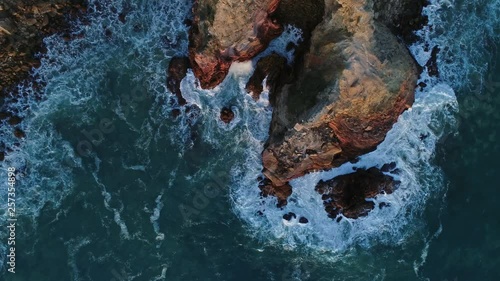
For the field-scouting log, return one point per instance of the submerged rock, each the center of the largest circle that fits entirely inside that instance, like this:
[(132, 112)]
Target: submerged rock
[(280, 192), (346, 195)]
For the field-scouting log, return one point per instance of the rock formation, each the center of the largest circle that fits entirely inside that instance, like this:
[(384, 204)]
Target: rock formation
[(226, 115), (356, 79), (177, 70), (351, 79), (23, 25), (346, 195), (224, 31)]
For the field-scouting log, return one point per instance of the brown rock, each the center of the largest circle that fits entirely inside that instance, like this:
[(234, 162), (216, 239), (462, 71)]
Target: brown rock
[(281, 192), (275, 68), (356, 80), (431, 65), (19, 133), (227, 31), (226, 115), (14, 120), (347, 194)]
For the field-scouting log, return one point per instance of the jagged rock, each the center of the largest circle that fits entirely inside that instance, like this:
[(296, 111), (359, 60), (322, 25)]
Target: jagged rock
[(431, 65), (275, 68), (177, 70), (346, 195), (23, 26), (280, 192), (289, 216), (227, 31), (226, 115), (356, 80)]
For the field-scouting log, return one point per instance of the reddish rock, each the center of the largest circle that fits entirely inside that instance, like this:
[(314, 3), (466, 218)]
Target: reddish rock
[(353, 84), (177, 70), (347, 194), (227, 31), (281, 192), (226, 115), (19, 133)]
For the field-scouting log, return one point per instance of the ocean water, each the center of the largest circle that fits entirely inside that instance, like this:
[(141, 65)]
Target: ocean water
[(111, 187)]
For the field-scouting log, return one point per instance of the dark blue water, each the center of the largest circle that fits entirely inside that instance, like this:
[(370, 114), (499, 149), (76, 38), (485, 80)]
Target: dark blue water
[(111, 187)]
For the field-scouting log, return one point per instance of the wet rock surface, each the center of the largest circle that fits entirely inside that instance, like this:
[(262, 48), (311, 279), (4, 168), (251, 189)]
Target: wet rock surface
[(226, 115), (347, 194), (280, 192), (356, 79), (351, 79), (23, 26), (224, 31), (177, 70)]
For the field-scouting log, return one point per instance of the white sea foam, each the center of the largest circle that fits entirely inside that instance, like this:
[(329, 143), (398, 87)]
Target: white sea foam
[(74, 73), (410, 144)]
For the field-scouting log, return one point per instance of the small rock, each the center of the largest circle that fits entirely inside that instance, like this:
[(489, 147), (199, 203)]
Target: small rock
[(303, 220), (432, 67), (289, 216), (226, 115)]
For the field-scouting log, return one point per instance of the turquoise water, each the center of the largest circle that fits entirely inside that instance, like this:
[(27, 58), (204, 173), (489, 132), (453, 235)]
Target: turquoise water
[(112, 187)]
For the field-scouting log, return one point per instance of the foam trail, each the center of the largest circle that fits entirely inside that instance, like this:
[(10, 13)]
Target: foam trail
[(75, 74), (156, 216)]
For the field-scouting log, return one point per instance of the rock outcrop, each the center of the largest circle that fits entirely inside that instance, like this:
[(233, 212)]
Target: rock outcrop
[(23, 25), (224, 31), (346, 195), (351, 79), (356, 80), (177, 70)]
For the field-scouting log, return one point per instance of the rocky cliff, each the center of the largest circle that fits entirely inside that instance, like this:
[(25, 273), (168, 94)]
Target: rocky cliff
[(355, 80), (352, 78)]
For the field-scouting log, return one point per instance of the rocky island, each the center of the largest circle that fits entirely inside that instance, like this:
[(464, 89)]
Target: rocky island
[(351, 79)]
